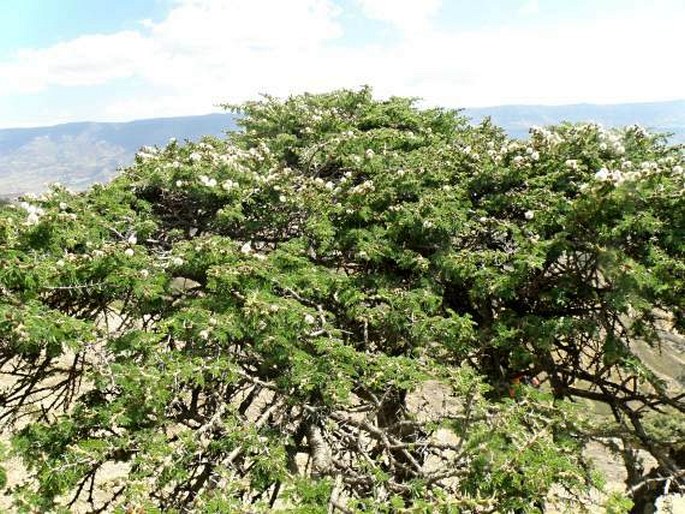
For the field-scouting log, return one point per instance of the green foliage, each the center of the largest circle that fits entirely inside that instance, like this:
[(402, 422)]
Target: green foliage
[(246, 324), (617, 503)]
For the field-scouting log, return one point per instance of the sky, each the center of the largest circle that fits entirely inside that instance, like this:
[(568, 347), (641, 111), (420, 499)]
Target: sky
[(119, 60)]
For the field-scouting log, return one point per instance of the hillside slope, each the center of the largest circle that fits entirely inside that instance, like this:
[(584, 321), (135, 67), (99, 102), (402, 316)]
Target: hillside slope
[(79, 154), (655, 116)]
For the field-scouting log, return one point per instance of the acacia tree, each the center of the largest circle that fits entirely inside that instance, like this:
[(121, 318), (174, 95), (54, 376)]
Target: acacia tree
[(246, 324)]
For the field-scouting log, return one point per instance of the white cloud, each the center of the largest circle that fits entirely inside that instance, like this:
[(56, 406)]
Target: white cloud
[(407, 15), (87, 60), (207, 52), (530, 7)]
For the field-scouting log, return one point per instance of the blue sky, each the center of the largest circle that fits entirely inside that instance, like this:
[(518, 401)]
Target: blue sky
[(71, 60)]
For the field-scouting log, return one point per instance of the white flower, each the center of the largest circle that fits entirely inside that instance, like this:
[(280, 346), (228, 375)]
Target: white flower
[(63, 206), (518, 160), (179, 183), (206, 181), (177, 261), (329, 185), (31, 209), (60, 263), (192, 232), (195, 157), (369, 153), (617, 177), (678, 169), (602, 174), (602, 146), (129, 252), (309, 319), (227, 185), (132, 239), (282, 198), (571, 163), (246, 248), (144, 273), (428, 224), (529, 215), (535, 156), (204, 334), (32, 218)]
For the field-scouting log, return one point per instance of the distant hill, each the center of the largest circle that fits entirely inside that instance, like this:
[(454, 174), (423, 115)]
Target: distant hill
[(655, 116), (79, 154)]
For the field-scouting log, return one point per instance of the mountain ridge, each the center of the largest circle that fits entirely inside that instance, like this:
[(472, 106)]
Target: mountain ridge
[(80, 153)]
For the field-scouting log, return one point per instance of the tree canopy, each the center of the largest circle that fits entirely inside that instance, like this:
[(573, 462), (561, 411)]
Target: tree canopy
[(337, 308)]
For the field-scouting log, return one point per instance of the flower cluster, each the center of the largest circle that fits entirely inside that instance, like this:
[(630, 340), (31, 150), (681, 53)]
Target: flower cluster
[(34, 213)]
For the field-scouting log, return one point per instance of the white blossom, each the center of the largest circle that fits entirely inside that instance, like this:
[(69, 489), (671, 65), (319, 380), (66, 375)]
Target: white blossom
[(177, 261), (206, 181), (602, 174), (227, 185), (246, 248), (309, 319), (132, 239), (204, 334), (529, 215), (32, 218), (129, 252), (144, 273)]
